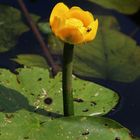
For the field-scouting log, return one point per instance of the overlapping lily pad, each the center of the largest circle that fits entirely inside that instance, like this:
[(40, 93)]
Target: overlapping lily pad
[(32, 88), (87, 128), (23, 125), (112, 55), (124, 6)]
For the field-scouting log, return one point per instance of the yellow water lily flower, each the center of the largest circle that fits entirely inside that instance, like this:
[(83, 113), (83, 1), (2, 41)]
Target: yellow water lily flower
[(73, 25)]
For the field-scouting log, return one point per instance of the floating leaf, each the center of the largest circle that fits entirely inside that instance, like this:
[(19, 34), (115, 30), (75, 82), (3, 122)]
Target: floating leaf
[(124, 6), (11, 27), (31, 60), (44, 92), (87, 128), (24, 125), (112, 55)]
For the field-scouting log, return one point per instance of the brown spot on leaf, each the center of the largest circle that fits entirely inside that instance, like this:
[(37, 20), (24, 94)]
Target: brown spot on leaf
[(17, 80), (93, 103), (78, 100), (9, 116), (85, 133), (117, 138), (48, 101), (32, 94), (106, 124), (26, 137), (85, 110), (39, 79), (42, 122)]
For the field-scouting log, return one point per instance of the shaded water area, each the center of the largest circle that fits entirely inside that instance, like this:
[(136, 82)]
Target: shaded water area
[(127, 112)]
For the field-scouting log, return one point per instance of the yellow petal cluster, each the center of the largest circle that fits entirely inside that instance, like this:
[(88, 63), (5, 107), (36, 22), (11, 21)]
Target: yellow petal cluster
[(73, 25)]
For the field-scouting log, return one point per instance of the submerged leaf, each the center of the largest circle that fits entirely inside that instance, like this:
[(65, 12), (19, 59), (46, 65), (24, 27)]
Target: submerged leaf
[(112, 55), (124, 6), (11, 27)]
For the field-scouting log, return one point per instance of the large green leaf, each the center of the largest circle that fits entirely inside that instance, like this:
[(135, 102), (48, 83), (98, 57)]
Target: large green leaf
[(24, 115), (23, 125), (112, 55), (36, 85), (11, 27), (87, 128), (123, 6)]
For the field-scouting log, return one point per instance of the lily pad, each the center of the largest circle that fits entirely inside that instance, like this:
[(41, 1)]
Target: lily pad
[(87, 128), (31, 60), (24, 125), (112, 55), (45, 93), (124, 6), (11, 27)]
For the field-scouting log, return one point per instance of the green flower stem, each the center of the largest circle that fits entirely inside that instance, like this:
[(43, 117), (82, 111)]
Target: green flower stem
[(67, 80)]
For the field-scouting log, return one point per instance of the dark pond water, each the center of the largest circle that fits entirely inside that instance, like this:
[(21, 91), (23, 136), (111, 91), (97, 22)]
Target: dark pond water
[(127, 112)]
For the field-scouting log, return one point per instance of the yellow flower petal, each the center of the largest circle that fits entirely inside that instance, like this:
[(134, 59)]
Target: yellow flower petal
[(91, 31), (57, 23), (70, 35), (58, 11), (85, 16), (74, 22)]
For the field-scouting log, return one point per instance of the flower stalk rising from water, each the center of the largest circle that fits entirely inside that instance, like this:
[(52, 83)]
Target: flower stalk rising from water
[(72, 26)]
